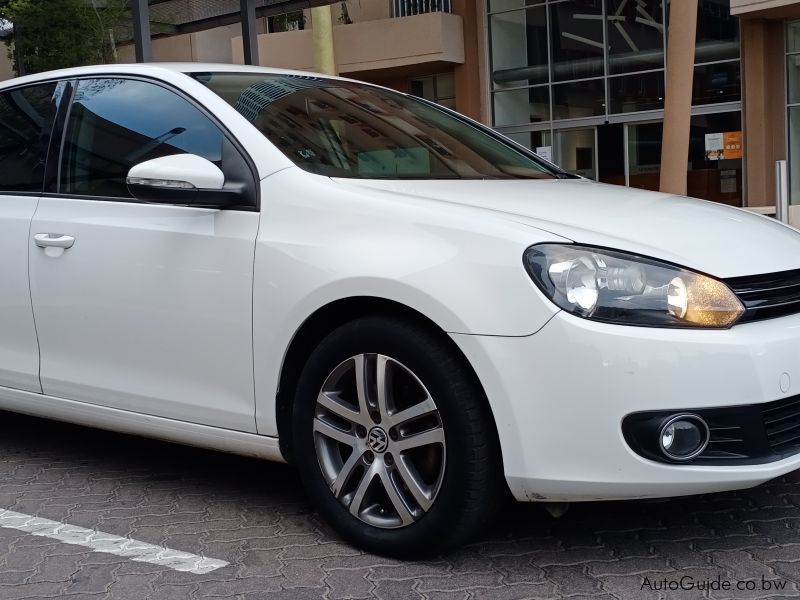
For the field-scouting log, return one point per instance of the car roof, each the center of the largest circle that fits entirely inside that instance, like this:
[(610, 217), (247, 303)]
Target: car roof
[(155, 70)]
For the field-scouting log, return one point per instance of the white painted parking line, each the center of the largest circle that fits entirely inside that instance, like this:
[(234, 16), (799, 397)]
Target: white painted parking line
[(110, 544)]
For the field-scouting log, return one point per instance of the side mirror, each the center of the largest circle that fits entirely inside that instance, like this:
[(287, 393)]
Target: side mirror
[(182, 179)]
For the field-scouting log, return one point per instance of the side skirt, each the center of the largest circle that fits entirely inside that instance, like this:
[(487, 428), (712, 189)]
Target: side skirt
[(113, 419)]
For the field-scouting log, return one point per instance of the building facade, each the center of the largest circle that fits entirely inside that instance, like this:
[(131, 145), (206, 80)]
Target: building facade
[(582, 82), (428, 47), (770, 31)]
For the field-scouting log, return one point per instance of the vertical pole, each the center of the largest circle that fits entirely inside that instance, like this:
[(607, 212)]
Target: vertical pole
[(141, 30), (782, 188), (467, 76), (322, 31), (249, 31), (681, 41)]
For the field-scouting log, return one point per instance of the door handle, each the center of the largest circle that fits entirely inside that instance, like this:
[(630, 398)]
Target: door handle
[(53, 240)]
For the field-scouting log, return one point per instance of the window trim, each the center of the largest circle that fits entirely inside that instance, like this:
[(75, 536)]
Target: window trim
[(53, 129), (53, 169), (255, 184)]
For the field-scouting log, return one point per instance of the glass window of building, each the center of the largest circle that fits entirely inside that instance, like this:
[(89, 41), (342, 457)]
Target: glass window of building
[(644, 154), (717, 82), (611, 162), (716, 174), (519, 47), (575, 151), (793, 37), (523, 105), (717, 32), (794, 154), (793, 108), (591, 73), (633, 93), (439, 88), (538, 141), (635, 35), (499, 5), (577, 39), (578, 99), (793, 63)]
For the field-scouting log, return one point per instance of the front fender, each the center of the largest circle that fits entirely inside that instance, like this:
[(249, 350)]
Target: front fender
[(319, 243)]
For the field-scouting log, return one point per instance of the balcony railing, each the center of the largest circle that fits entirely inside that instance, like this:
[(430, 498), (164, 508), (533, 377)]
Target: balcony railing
[(406, 8)]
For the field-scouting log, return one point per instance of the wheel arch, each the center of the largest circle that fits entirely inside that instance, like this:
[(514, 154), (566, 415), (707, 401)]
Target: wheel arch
[(328, 318)]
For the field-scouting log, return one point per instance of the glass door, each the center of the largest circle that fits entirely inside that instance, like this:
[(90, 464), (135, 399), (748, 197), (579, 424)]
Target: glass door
[(643, 154), (575, 150)]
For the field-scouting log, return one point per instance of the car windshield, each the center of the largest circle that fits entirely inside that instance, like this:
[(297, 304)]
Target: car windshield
[(346, 129)]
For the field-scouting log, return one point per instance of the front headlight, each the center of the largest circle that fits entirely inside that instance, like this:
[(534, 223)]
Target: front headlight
[(610, 286)]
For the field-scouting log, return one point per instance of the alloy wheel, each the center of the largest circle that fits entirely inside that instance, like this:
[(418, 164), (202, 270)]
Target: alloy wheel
[(379, 441)]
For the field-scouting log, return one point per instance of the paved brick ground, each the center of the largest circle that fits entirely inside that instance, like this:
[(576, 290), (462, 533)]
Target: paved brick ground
[(254, 515)]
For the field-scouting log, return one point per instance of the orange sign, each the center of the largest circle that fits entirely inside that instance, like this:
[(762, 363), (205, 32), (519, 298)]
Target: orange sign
[(732, 144), (724, 146)]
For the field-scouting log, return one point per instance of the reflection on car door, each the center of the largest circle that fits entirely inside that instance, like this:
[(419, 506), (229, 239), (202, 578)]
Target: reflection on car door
[(26, 119), (149, 309)]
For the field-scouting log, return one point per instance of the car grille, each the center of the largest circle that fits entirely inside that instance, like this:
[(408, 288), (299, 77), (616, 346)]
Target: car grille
[(725, 441), (782, 424), (735, 433), (767, 296)]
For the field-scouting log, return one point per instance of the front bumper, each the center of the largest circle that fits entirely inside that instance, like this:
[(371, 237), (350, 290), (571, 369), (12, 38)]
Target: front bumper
[(559, 397)]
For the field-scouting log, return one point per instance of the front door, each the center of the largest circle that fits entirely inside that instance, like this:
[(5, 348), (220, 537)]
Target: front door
[(26, 118), (142, 307)]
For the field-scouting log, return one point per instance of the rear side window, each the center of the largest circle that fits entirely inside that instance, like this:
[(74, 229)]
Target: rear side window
[(115, 124), (26, 120)]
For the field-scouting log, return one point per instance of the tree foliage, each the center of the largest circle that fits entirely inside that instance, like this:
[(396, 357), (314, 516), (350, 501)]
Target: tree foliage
[(52, 34)]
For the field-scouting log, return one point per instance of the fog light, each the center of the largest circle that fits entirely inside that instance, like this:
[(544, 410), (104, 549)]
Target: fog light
[(682, 437)]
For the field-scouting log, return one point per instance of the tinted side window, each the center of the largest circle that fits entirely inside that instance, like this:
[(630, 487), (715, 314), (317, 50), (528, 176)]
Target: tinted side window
[(26, 119), (115, 124)]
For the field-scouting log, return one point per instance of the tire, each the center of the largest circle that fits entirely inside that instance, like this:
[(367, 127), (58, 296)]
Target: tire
[(409, 473)]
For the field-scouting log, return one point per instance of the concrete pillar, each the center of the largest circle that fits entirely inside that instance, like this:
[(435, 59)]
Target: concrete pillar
[(763, 111), (469, 93), (678, 101), (322, 31)]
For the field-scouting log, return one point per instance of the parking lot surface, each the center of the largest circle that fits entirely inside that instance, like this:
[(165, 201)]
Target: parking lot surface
[(161, 510)]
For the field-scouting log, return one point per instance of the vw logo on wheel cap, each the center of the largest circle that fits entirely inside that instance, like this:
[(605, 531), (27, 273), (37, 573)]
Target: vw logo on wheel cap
[(377, 440)]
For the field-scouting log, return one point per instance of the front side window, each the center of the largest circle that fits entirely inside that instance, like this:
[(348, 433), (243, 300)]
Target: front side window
[(26, 119), (345, 129), (115, 124)]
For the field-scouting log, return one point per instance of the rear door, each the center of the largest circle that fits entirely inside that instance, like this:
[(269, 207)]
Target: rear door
[(26, 120), (149, 307)]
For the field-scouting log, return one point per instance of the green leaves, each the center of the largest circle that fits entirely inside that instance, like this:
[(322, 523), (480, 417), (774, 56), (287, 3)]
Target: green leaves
[(53, 34)]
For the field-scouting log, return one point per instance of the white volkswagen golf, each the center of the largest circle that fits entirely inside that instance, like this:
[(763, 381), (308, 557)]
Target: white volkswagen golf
[(416, 312)]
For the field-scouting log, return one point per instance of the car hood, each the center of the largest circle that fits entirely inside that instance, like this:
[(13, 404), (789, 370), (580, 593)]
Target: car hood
[(705, 236)]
